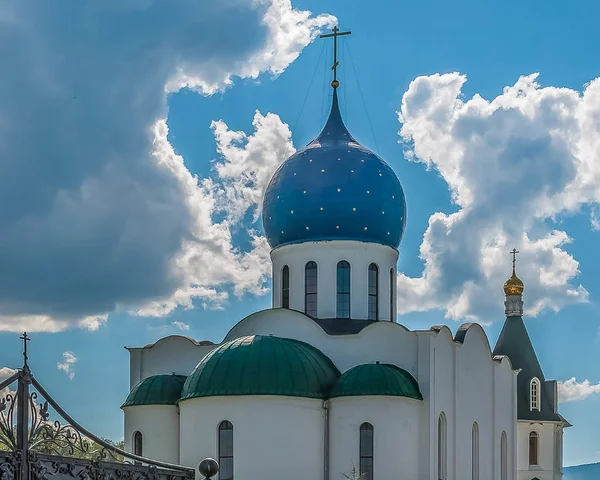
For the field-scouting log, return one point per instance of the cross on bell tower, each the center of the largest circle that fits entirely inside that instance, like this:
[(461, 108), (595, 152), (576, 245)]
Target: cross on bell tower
[(514, 252), (336, 33)]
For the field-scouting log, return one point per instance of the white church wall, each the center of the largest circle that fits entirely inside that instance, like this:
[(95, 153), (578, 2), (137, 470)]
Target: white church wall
[(505, 420), (281, 322), (173, 354), (159, 426), (396, 430), (443, 400), (474, 403), (545, 469), (327, 254), (285, 434), (484, 393), (386, 342), (427, 418)]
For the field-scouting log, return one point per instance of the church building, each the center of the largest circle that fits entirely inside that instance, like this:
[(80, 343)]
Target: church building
[(326, 384)]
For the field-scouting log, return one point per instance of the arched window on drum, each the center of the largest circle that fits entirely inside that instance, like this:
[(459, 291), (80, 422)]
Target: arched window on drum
[(343, 290), (285, 287), (310, 289), (373, 292)]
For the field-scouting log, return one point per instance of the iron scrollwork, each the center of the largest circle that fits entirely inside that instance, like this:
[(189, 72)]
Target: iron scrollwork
[(54, 437), (7, 426), (34, 447)]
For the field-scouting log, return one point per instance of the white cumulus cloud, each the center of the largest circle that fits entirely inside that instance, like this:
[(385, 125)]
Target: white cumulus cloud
[(184, 327), (208, 259), (572, 390), (69, 361), (513, 164), (5, 374), (103, 215)]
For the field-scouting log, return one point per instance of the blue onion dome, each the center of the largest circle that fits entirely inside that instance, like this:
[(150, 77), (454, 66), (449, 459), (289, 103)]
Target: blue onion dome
[(262, 365), (334, 189), (376, 379)]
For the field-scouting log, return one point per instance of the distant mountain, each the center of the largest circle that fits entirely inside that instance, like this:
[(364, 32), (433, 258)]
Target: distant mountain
[(582, 472)]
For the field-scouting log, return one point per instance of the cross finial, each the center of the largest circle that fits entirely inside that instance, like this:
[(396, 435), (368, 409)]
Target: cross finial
[(336, 33), (25, 339), (514, 252)]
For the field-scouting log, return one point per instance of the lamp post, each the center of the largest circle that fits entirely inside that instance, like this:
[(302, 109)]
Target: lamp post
[(208, 468)]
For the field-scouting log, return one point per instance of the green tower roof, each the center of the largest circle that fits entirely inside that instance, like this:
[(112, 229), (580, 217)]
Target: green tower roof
[(262, 365), (376, 379), (514, 342), (156, 390)]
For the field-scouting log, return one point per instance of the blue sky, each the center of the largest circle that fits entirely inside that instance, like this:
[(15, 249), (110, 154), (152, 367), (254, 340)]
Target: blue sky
[(94, 221)]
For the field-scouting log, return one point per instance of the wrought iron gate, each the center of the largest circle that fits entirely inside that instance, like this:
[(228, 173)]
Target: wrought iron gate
[(34, 447)]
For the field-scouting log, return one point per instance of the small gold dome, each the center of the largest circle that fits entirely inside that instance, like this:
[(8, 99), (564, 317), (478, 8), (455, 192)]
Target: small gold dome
[(514, 285)]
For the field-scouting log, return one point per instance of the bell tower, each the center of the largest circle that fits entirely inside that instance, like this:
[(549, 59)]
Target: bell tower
[(539, 425)]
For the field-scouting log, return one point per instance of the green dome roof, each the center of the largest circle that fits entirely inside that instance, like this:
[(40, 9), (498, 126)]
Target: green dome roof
[(376, 379), (156, 390), (262, 365)]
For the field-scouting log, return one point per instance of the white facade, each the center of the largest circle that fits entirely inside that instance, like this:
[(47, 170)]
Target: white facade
[(276, 437), (327, 255), (273, 437), (394, 403), (549, 450), (159, 426), (396, 427)]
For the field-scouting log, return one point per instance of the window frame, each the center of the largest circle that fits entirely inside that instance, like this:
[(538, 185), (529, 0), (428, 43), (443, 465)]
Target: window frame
[(503, 456), (285, 287), (366, 455), (535, 390), (392, 290), (475, 451), (343, 295), (138, 451), (373, 297), (310, 266), (442, 447), (536, 453), (225, 426)]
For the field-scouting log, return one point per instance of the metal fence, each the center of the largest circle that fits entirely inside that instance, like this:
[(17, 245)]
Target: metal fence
[(35, 447)]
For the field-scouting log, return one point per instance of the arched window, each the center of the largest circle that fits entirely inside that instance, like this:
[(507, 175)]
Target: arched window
[(392, 288), (310, 289), (343, 290), (366, 451), (442, 448), (373, 292), (534, 448), (475, 452), (503, 457), (535, 394), (225, 450), (285, 287), (137, 443)]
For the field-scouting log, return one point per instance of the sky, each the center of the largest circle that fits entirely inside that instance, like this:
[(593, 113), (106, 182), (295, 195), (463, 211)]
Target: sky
[(137, 137)]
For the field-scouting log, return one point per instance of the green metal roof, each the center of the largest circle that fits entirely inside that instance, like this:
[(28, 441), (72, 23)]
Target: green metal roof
[(376, 379), (156, 390), (262, 365)]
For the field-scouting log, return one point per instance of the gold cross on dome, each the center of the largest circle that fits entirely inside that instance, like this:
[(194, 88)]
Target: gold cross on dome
[(514, 252), (336, 33)]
